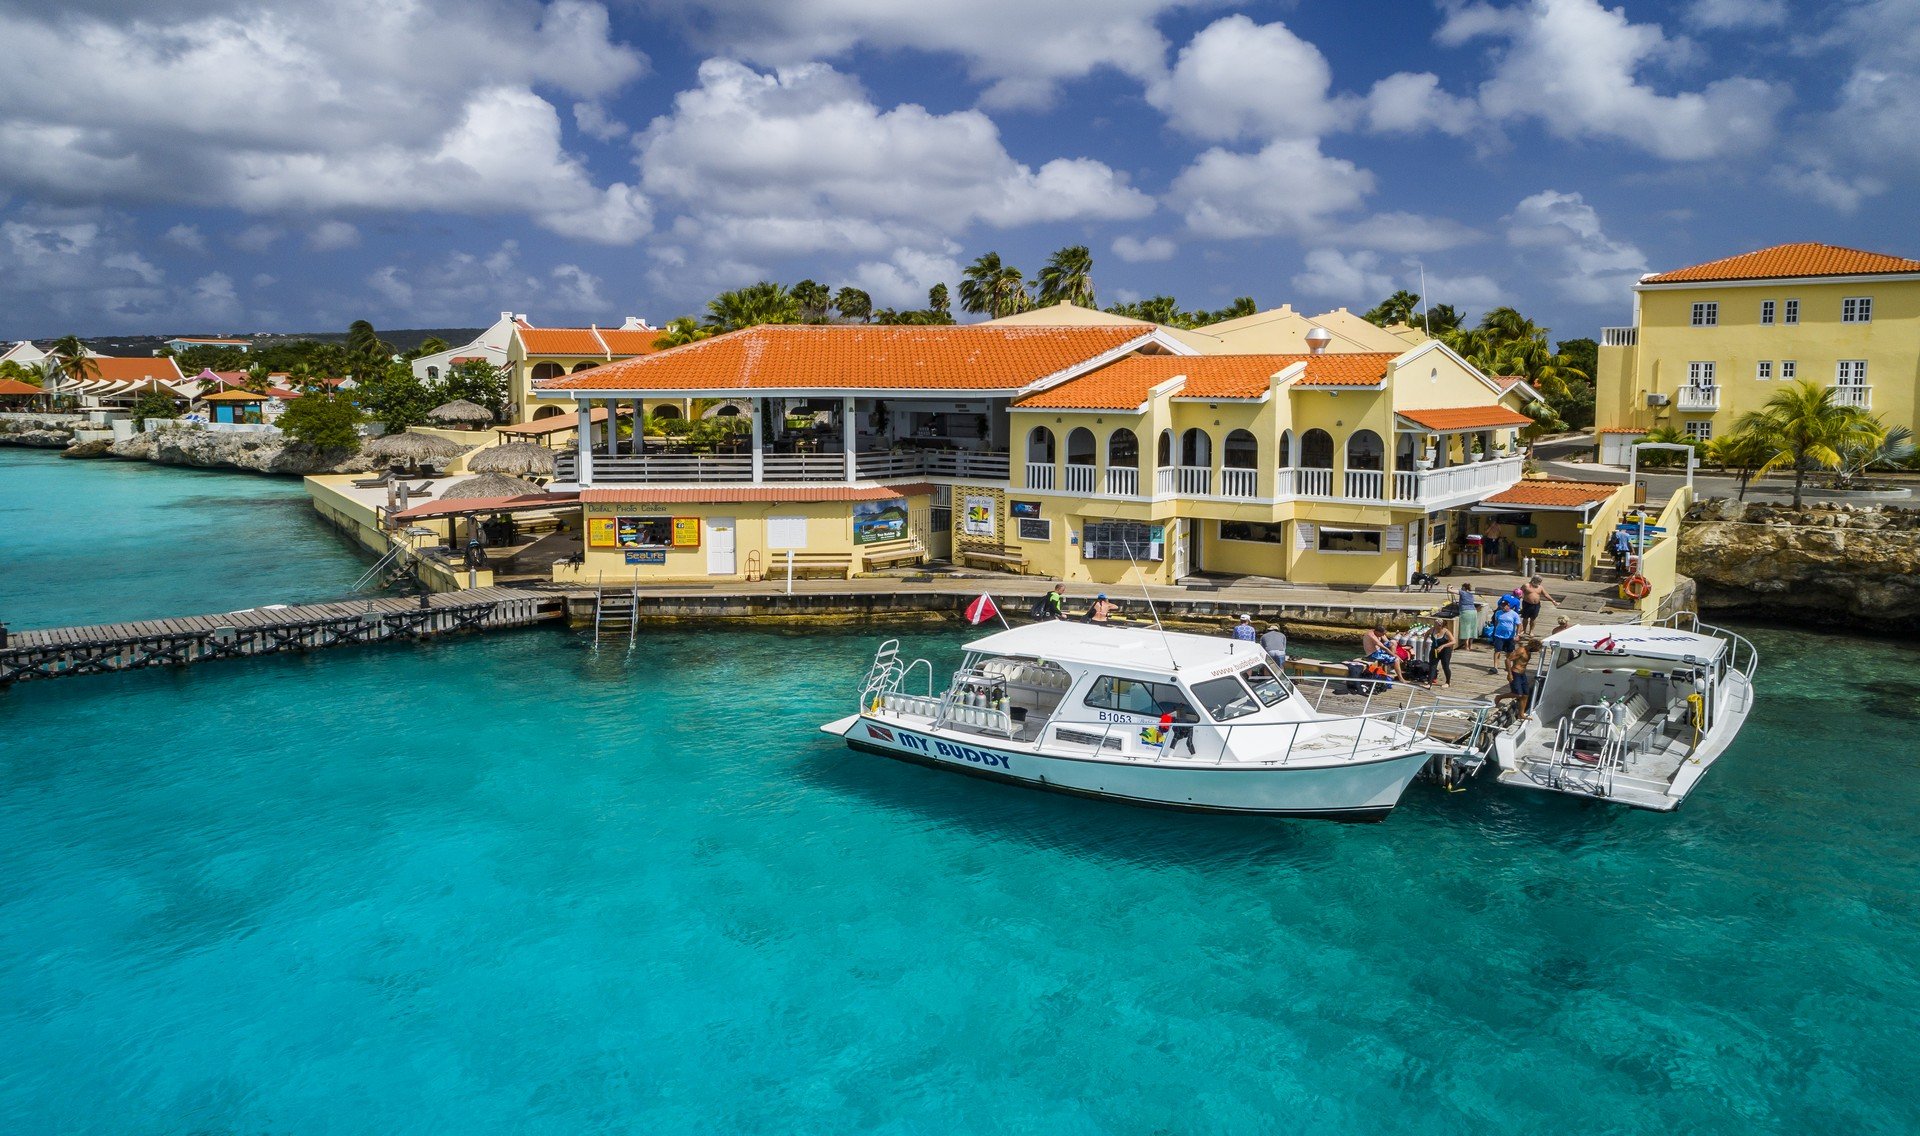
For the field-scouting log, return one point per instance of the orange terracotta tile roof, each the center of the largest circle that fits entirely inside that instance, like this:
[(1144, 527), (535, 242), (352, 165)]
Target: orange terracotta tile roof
[(554, 423), (1466, 417), (561, 341), (1125, 383), (627, 343), (132, 370), (1546, 492), (858, 357), (1805, 258), (726, 495), (1356, 369), (1625, 429), (15, 386), (454, 506), (235, 395)]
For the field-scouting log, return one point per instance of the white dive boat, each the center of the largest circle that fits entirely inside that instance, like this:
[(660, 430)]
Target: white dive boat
[(1630, 714), (1150, 718)]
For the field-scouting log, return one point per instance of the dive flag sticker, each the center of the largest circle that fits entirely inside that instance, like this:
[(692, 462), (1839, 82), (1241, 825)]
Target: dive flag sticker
[(879, 733)]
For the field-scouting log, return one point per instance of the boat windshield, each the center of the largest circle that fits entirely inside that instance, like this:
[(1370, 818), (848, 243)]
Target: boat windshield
[(1270, 688), (1225, 699)]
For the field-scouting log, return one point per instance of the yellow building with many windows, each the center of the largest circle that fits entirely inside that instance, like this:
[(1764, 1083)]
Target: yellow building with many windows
[(1714, 341)]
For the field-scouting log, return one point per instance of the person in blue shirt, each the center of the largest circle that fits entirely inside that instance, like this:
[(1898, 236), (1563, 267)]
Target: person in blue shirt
[(1506, 628), (1244, 630)]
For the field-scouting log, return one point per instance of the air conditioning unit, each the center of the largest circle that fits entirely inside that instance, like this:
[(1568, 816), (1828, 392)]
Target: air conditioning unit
[(1658, 400)]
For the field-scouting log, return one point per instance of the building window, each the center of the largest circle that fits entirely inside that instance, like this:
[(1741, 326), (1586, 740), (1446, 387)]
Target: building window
[(1365, 541), (1766, 311), (433, 373), (1763, 370), (1788, 368), (1706, 315), (1123, 540), (1856, 309), (1259, 531), (1700, 374), (1851, 373), (1792, 312), (1700, 431)]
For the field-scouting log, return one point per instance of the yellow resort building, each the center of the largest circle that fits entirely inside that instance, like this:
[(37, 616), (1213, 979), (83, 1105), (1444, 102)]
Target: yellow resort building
[(537, 355), (1713, 341), (1099, 450)]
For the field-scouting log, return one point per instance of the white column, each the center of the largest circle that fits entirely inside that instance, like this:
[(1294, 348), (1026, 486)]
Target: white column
[(847, 431), (639, 426), (583, 444), (758, 409)]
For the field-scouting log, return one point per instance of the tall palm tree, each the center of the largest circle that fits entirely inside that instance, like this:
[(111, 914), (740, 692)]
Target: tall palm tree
[(1068, 277), (1744, 452), (1397, 308), (1809, 430), (938, 301), (681, 331), (853, 304), (991, 288), (764, 302), (814, 299), (76, 366)]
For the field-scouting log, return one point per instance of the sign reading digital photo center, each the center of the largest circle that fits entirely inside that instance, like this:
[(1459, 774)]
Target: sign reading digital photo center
[(1123, 540), (877, 521)]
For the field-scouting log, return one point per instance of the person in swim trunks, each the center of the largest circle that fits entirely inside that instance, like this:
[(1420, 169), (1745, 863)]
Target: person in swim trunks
[(1532, 594)]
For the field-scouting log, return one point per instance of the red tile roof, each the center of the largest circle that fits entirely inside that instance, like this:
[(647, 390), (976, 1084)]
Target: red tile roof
[(1546, 492), (627, 343), (1466, 417), (15, 386), (1356, 369), (554, 423), (1795, 260), (1625, 429), (453, 506), (561, 341), (132, 370), (1124, 383), (234, 395), (859, 357), (778, 494)]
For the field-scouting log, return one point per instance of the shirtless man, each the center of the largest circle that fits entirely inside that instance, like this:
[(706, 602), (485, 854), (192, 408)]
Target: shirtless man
[(1531, 594)]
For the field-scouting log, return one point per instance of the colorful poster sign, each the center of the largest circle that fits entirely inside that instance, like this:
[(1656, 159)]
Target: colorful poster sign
[(1024, 509), (600, 532), (647, 556), (976, 519), (876, 521), (686, 532), (627, 532)]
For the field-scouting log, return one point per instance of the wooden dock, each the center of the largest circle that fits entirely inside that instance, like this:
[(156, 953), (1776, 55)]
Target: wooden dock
[(112, 647)]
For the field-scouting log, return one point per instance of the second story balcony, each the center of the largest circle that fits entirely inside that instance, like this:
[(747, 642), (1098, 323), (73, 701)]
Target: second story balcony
[(1857, 395), (1619, 336), (1697, 398), (666, 468)]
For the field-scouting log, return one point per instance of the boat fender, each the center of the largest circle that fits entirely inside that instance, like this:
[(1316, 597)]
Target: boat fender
[(1636, 587)]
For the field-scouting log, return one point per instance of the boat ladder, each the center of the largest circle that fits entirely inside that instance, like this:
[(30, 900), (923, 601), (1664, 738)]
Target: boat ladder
[(885, 677), (616, 614), (1571, 769)]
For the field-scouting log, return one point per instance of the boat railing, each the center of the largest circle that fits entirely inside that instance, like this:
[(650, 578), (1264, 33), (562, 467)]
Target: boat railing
[(1405, 727), (1742, 656)]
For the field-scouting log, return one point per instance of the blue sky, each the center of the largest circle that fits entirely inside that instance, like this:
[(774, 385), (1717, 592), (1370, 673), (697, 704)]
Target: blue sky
[(221, 166)]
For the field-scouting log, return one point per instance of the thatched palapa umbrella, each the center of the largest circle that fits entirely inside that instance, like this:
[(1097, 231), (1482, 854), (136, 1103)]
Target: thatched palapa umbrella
[(408, 448), (487, 485), (461, 414), (520, 459)]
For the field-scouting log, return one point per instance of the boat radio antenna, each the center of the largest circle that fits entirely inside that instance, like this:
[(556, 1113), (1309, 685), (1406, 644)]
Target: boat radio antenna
[(1151, 610)]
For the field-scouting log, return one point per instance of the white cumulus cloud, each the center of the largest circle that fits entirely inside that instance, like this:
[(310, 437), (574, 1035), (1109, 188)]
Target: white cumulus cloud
[(1239, 79), (331, 236), (1138, 250), (1288, 188), (1561, 236)]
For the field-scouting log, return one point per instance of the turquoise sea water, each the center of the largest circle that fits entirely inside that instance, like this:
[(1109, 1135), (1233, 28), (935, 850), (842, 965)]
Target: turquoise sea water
[(505, 884), (108, 541)]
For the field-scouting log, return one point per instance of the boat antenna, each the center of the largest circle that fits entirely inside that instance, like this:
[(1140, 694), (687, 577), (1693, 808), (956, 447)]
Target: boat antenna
[(1426, 320), (1151, 610)]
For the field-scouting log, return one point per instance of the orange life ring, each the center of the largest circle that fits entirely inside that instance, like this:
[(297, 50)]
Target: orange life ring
[(1636, 587)]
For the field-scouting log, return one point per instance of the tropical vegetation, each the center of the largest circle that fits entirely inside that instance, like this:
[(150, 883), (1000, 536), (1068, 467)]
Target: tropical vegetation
[(1805, 430), (324, 421)]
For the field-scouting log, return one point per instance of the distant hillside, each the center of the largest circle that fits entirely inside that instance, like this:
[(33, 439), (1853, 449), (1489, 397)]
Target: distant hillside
[(403, 339)]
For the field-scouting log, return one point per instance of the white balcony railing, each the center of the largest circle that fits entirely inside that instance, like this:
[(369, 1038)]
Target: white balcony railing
[(1313, 482), (1080, 478), (1459, 484), (1195, 480), (1698, 398), (1848, 394), (1039, 475), (1619, 337), (684, 468), (1239, 482), (1166, 480), (1123, 481), (1406, 485), (1366, 484)]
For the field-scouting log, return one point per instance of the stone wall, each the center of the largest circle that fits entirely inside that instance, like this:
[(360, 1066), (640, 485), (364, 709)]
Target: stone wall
[(1827, 564)]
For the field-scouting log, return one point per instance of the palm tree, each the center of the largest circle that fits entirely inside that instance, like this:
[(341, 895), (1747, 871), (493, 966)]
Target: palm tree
[(938, 302), (1241, 306), (1397, 308), (364, 341), (1439, 319), (1809, 430), (76, 366), (1068, 277), (814, 299), (765, 302), (679, 332), (989, 287), (1744, 452), (853, 304), (1889, 446)]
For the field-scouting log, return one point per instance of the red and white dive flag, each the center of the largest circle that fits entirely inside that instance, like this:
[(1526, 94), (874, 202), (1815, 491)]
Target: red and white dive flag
[(981, 610)]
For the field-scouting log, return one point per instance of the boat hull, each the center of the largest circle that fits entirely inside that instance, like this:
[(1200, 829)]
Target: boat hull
[(1364, 790)]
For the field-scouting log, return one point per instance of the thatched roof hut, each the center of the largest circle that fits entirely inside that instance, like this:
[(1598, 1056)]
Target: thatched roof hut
[(520, 459), (461, 414), (487, 485), (408, 448)]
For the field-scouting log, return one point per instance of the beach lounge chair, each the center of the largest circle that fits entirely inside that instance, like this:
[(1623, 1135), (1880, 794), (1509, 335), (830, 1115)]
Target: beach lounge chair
[(379, 482)]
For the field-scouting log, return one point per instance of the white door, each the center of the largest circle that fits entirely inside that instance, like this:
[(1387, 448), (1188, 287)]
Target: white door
[(1178, 546), (720, 546)]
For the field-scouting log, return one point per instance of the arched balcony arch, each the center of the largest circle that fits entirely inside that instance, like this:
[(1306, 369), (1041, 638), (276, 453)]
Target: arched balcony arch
[(1196, 463), (1366, 464), (543, 371), (1240, 465), (1313, 472), (1123, 463), (1040, 457), (579, 367), (1166, 478), (1081, 455)]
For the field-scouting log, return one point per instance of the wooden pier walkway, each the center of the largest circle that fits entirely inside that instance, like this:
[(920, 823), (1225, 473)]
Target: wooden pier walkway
[(111, 647)]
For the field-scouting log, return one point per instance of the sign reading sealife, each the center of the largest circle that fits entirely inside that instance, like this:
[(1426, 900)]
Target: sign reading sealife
[(1149, 717)]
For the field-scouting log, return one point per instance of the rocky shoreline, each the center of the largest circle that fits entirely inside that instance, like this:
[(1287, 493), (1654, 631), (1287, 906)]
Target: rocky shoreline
[(254, 453), (1828, 565), (39, 431)]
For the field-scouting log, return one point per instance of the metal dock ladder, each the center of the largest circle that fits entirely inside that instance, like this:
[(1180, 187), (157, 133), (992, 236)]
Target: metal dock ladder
[(616, 614)]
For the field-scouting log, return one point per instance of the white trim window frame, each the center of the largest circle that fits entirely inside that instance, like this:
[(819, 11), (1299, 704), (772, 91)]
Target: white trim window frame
[(1766, 313), (1700, 374), (1789, 370), (1323, 532), (1706, 313), (1763, 370), (1790, 311), (1700, 429), (1856, 309), (1850, 373)]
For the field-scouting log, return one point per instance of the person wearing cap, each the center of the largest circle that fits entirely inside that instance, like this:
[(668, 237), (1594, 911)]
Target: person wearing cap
[(1102, 608), (1244, 629), (1274, 642)]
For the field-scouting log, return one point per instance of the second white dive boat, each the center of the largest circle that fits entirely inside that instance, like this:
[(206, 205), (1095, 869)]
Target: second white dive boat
[(1629, 714), (1151, 718)]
